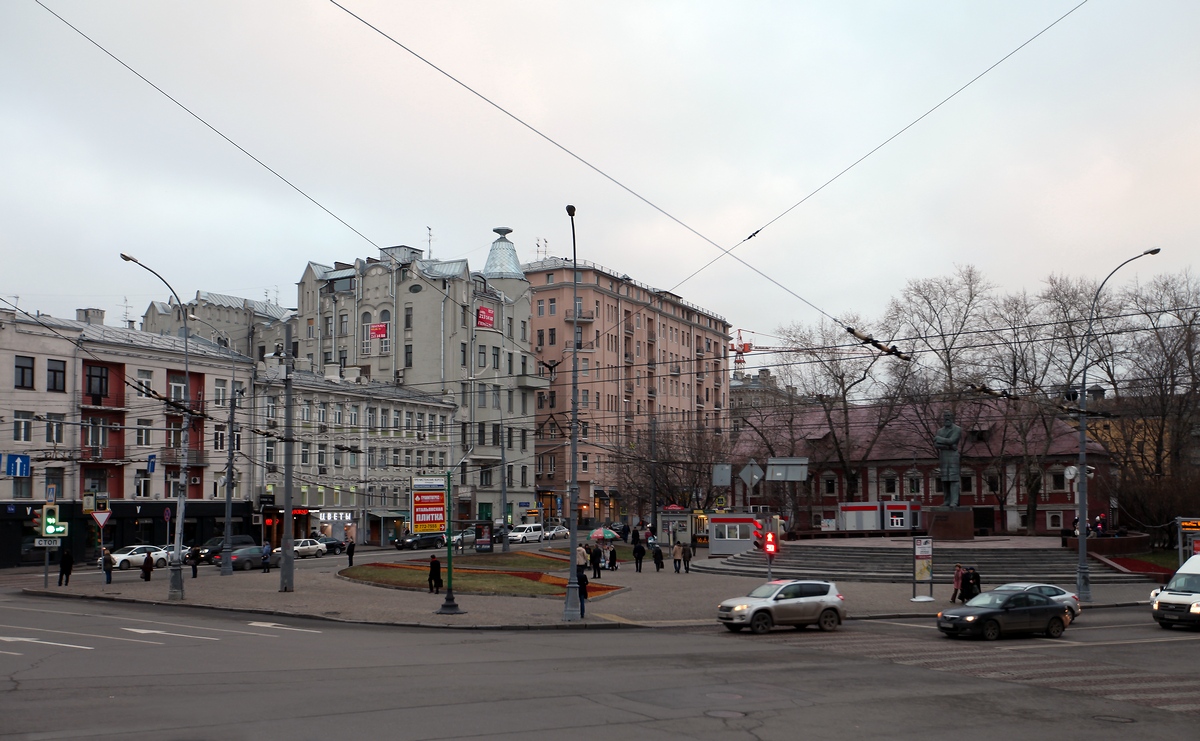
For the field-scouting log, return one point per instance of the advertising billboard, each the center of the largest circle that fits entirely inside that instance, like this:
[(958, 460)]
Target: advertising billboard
[(429, 504), (485, 318)]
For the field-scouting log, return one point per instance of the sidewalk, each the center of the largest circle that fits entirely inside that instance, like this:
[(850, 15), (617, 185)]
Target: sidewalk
[(650, 599)]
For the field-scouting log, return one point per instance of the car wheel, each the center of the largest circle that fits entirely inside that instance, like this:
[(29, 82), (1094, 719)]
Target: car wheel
[(160, 563), (320, 553), (1055, 628), (733, 628), (761, 622), (1166, 626), (991, 630), (246, 566), (123, 566), (441, 543), (828, 620), (523, 539)]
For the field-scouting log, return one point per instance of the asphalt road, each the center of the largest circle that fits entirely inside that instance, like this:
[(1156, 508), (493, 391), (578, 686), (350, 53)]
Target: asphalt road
[(95, 670)]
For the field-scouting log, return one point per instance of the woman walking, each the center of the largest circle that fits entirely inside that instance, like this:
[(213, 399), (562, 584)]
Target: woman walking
[(957, 592)]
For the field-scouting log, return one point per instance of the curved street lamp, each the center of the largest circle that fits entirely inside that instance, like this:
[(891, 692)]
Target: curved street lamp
[(175, 583), (1083, 578), (571, 606)]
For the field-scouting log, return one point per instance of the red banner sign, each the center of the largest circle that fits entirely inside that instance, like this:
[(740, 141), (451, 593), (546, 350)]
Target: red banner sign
[(429, 505), (485, 317), (378, 331)]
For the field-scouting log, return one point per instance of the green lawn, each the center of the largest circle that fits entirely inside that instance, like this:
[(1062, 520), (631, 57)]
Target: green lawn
[(514, 560)]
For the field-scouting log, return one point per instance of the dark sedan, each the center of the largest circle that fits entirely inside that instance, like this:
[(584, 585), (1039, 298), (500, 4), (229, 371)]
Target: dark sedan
[(333, 546), (422, 540), (245, 559), (993, 614)]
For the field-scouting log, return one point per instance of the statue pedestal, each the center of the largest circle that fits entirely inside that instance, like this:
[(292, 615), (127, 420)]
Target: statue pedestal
[(951, 523)]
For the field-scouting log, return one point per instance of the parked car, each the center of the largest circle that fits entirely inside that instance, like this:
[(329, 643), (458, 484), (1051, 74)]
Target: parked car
[(785, 602), (213, 546), (305, 547), (132, 556), (556, 532), (1178, 603), (249, 558), (526, 533), (993, 614), (422, 540), (464, 537), (1070, 600), (332, 545)]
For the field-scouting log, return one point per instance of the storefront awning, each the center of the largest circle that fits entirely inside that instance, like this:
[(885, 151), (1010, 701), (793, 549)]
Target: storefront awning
[(385, 514)]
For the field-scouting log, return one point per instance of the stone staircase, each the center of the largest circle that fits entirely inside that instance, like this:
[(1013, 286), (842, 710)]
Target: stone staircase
[(873, 564)]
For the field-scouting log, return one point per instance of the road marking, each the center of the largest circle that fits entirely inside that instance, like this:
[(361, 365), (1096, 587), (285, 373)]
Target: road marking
[(11, 653), (1052, 642), (165, 633), (1106, 627), (278, 626), (83, 635), (905, 625), (13, 639), (140, 620)]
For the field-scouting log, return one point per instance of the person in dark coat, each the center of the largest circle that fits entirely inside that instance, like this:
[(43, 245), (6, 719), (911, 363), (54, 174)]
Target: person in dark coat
[(350, 551), (435, 575), (636, 537), (972, 586), (583, 594), (687, 558), (266, 558), (109, 563), (596, 559), (66, 562), (193, 557), (612, 558), (639, 552), (147, 567), (658, 558)]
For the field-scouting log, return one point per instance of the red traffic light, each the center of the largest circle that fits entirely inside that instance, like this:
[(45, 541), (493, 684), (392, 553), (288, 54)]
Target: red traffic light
[(758, 535), (770, 546)]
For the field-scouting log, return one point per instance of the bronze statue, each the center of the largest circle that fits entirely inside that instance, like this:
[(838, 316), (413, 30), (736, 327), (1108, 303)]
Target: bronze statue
[(946, 441)]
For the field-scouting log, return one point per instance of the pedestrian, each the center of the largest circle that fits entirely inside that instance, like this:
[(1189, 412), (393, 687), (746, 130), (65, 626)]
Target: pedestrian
[(583, 594), (66, 562), (147, 567), (958, 579), (266, 557), (193, 557), (435, 575), (639, 552), (108, 564), (350, 551), (971, 584), (976, 583), (597, 558), (636, 537), (687, 559), (677, 555), (658, 558), (612, 558)]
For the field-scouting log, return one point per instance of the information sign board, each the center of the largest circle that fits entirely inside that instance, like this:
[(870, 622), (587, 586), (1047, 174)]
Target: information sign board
[(429, 504)]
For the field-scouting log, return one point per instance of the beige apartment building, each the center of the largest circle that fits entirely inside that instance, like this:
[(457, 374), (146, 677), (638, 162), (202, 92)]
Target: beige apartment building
[(646, 357)]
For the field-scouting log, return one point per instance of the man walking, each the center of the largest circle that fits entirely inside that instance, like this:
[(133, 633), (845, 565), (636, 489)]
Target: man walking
[(350, 552), (597, 557), (435, 575), (687, 559), (66, 562), (639, 552), (193, 557), (677, 555), (266, 557)]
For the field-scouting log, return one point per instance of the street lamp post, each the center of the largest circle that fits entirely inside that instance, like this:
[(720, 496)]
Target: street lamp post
[(175, 583), (1083, 579), (571, 609), (227, 546)]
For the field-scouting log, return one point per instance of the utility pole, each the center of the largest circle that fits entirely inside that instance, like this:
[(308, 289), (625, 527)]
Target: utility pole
[(571, 609), (287, 547)]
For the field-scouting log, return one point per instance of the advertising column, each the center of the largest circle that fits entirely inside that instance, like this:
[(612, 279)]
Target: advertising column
[(428, 504)]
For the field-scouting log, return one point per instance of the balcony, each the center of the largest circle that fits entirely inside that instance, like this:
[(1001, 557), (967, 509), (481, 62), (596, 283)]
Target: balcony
[(99, 454), (628, 358), (675, 371), (628, 328), (629, 389), (651, 364), (699, 400), (651, 392), (175, 457), (580, 316), (526, 381), (699, 353), (651, 336)]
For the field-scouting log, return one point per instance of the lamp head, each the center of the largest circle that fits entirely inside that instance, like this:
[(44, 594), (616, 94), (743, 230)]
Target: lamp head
[(128, 258), (570, 212), (1153, 251)]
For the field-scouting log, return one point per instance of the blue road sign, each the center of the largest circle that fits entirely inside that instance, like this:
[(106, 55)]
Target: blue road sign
[(150, 460), (18, 465)]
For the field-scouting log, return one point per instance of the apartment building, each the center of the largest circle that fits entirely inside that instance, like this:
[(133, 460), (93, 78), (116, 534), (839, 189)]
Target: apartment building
[(253, 328), (646, 356), (98, 413)]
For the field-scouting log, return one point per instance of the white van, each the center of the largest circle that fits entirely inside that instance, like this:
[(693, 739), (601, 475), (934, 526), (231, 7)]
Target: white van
[(526, 533), (1178, 603)]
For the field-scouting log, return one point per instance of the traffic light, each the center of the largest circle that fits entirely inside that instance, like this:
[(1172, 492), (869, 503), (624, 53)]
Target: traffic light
[(37, 523), (51, 527), (758, 535), (769, 545)]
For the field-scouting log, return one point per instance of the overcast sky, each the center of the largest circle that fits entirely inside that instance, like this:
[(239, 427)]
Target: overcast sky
[(1080, 150)]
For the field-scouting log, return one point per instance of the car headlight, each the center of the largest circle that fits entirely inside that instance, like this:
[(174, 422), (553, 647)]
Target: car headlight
[(1154, 605), (1195, 608), (740, 608), (969, 618)]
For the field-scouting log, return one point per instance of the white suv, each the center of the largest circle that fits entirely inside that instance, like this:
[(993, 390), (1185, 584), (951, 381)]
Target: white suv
[(526, 533), (785, 602)]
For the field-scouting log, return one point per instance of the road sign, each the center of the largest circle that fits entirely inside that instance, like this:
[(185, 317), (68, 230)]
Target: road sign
[(150, 460), (47, 542), (18, 465), (1190, 525), (101, 517), (751, 473), (51, 493), (166, 514)]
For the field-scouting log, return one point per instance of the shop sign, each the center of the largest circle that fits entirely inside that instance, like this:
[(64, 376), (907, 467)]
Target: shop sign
[(429, 504), (485, 318), (331, 516), (378, 331)]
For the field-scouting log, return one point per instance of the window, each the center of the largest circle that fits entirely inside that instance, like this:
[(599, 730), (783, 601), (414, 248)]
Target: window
[(23, 427), (270, 453), (541, 307), (481, 436), (308, 331), (220, 390), (483, 356), (583, 430), (496, 358), (553, 307), (56, 375), (541, 337), (175, 384), (143, 436), (481, 394), (549, 279), (321, 453), (485, 476), (344, 324), (95, 432), (889, 485), (23, 373), (583, 366), (395, 419), (408, 421), (583, 462), (96, 379), (329, 326), (1058, 481), (145, 383), (496, 441), (523, 331), (553, 335), (305, 411), (270, 407), (365, 330), (524, 439), (408, 356), (54, 427), (322, 411), (352, 413), (219, 437), (337, 414), (583, 398), (372, 416), (385, 342), (174, 434), (408, 317), (495, 397)]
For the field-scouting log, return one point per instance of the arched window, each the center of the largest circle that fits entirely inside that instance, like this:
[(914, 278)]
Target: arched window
[(385, 342), (365, 325)]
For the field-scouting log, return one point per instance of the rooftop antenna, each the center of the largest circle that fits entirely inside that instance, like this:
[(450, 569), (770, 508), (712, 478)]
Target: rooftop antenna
[(125, 299), (276, 295), (429, 242)]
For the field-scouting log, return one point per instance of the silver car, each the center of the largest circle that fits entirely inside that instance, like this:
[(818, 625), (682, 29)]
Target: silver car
[(785, 602), (1070, 600)]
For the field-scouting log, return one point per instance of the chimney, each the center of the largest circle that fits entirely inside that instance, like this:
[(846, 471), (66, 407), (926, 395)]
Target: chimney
[(91, 316), (131, 324)]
